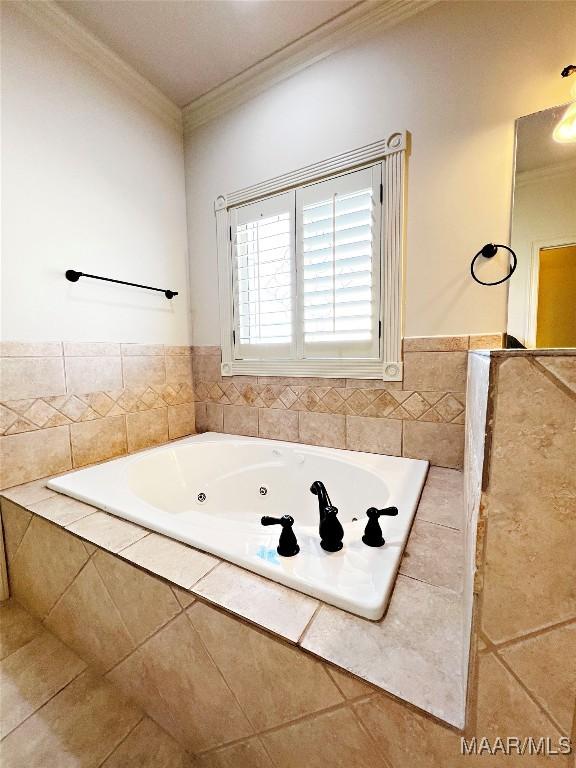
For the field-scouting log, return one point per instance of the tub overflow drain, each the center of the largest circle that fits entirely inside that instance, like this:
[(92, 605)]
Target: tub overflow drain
[(263, 490), (201, 497)]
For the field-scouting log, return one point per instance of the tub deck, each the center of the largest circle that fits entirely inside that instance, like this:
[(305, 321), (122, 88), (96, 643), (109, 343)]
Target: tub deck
[(415, 652)]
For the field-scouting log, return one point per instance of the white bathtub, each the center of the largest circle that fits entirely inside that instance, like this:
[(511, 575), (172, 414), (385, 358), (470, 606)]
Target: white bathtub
[(160, 489)]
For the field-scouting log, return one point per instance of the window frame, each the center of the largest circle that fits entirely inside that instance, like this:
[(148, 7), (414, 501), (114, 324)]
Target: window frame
[(390, 154)]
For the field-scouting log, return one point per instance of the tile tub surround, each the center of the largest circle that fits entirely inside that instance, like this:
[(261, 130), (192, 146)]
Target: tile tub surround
[(83, 568), (65, 405), (421, 418), (522, 489)]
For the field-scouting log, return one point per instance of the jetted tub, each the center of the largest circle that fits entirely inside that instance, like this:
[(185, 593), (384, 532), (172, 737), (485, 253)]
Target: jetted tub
[(211, 490)]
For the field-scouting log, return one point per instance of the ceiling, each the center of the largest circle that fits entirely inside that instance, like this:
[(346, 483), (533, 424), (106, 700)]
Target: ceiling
[(188, 47), (535, 147)]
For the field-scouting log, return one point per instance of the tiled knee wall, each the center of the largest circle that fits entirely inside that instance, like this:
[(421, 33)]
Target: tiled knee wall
[(421, 417), (66, 405)]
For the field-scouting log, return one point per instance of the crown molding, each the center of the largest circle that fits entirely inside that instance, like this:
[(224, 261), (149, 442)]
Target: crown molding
[(359, 22), (524, 178), (55, 20)]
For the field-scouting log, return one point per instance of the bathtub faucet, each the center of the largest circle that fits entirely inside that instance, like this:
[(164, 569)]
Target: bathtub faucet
[(331, 531)]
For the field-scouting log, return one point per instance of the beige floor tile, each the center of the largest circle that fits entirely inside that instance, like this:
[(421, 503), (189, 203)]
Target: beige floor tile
[(435, 554), (99, 440), (47, 561), (170, 559), (87, 620), (61, 509), (17, 627), (197, 709), (270, 605), (29, 493), (273, 682), (414, 652), (148, 746), (147, 428), (409, 740), (505, 709), (521, 592), (351, 687), (328, 429), (30, 676), (546, 664), (145, 602), (333, 739), (108, 531), (181, 420), (440, 444), (246, 754), (442, 499), (15, 521), (31, 455), (78, 728)]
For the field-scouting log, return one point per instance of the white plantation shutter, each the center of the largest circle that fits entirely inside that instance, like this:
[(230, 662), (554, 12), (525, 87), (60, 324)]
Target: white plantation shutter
[(264, 279), (338, 264)]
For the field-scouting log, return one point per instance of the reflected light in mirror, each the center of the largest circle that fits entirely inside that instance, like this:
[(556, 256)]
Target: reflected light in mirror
[(565, 131)]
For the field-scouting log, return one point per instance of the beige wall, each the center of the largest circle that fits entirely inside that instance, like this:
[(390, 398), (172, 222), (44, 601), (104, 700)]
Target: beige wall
[(92, 180), (456, 76)]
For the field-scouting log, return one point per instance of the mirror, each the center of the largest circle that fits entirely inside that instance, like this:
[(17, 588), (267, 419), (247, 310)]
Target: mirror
[(542, 292)]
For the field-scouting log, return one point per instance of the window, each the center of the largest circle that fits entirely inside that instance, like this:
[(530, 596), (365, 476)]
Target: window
[(310, 277)]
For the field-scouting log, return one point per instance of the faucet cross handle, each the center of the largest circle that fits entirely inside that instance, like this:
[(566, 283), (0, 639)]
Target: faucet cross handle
[(287, 545), (373, 533)]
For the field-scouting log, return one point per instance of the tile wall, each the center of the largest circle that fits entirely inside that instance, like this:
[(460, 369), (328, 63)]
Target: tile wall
[(421, 417), (66, 405)]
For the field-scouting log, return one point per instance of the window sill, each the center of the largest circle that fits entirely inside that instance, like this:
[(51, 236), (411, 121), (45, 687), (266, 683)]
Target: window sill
[(328, 368)]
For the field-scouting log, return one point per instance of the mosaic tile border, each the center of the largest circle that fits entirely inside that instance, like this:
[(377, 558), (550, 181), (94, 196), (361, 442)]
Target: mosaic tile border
[(446, 407), (17, 416)]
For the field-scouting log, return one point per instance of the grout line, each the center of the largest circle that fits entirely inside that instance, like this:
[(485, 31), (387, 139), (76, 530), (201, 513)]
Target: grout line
[(66, 589), (48, 700), (371, 737), (309, 624), (430, 583), (504, 644), (529, 693), (21, 538), (220, 673), (122, 740), (551, 376)]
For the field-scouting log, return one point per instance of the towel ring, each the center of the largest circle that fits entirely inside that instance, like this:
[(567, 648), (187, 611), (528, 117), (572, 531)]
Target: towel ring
[(488, 251)]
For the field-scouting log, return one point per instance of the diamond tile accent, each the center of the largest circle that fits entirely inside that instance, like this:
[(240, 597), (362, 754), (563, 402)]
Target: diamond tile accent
[(449, 407), (416, 405)]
